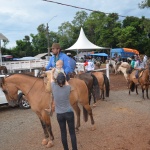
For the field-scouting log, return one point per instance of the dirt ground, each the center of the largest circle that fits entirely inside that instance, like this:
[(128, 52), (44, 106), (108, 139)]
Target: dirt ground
[(122, 123)]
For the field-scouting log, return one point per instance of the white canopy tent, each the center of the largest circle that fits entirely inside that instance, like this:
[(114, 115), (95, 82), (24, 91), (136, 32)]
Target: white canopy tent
[(2, 37), (83, 44)]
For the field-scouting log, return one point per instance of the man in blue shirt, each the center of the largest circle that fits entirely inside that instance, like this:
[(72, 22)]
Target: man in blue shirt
[(57, 55), (72, 62)]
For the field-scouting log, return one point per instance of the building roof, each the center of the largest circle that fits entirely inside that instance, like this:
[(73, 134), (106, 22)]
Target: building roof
[(2, 37), (41, 55)]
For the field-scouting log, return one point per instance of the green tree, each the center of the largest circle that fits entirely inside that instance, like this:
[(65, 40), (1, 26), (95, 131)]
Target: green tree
[(144, 4), (39, 41), (107, 37), (65, 34), (79, 19)]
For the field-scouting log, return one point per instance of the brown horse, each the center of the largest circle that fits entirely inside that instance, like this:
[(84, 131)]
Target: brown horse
[(103, 83), (92, 84), (3, 70), (34, 90), (143, 80)]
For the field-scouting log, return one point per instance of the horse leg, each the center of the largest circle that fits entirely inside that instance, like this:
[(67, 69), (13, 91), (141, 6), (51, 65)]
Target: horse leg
[(94, 98), (89, 110), (147, 92), (77, 111), (103, 94), (50, 143), (129, 88), (45, 141), (136, 89), (46, 124), (143, 93), (90, 98)]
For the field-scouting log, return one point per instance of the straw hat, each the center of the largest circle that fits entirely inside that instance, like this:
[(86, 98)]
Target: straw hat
[(55, 45)]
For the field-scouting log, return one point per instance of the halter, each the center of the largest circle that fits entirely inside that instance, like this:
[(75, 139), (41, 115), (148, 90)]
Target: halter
[(12, 96)]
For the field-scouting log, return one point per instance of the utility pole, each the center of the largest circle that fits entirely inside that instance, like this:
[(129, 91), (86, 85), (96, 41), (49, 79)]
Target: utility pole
[(47, 30), (48, 40)]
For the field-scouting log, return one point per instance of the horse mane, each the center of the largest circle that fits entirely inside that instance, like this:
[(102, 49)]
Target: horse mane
[(30, 75)]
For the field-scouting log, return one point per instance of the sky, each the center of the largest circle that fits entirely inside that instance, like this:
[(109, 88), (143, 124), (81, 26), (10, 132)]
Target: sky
[(22, 17)]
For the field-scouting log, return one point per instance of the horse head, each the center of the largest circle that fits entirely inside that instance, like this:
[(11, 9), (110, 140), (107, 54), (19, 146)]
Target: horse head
[(10, 91)]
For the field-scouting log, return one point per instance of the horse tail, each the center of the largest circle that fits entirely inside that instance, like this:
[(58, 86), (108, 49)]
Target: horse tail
[(107, 85), (96, 87), (85, 115), (132, 87)]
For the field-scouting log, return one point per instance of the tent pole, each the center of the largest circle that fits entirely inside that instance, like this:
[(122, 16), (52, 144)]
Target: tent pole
[(0, 55), (77, 55)]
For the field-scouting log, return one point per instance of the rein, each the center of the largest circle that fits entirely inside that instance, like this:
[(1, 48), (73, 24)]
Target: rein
[(31, 87)]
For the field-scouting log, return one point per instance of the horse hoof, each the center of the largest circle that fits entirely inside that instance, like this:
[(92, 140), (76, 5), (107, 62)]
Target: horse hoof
[(94, 105), (44, 142), (93, 128), (50, 144)]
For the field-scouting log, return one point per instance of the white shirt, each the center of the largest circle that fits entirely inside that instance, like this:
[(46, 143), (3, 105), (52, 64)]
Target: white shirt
[(90, 66), (139, 64)]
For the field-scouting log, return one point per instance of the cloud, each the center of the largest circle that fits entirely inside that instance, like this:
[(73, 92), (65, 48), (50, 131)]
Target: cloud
[(20, 18)]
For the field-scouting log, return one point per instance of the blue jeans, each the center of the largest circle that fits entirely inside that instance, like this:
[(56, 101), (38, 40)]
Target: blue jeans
[(137, 74), (68, 118)]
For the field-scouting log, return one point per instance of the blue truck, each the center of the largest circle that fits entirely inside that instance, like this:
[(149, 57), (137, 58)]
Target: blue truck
[(123, 52)]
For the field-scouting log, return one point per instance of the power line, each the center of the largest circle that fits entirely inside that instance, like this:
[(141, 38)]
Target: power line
[(79, 7)]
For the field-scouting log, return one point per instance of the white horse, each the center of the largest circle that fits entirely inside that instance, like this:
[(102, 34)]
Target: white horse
[(123, 68)]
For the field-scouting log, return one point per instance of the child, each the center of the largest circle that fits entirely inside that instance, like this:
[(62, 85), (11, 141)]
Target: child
[(58, 69)]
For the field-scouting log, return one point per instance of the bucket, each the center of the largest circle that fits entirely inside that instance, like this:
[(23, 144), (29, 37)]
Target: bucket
[(36, 71)]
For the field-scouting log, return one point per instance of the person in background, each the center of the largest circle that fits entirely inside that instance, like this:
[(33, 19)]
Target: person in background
[(88, 65), (132, 62), (61, 93), (145, 59), (58, 55), (139, 66), (72, 63)]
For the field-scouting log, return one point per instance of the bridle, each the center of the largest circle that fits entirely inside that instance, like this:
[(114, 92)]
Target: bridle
[(7, 90)]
